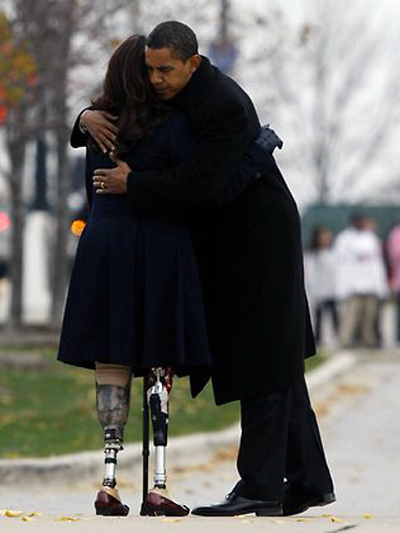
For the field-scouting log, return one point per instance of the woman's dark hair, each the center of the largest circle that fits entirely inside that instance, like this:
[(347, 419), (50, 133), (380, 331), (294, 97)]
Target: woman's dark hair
[(128, 94), (174, 35)]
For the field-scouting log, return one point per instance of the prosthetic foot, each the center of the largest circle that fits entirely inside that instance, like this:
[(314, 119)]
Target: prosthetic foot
[(157, 502), (108, 503), (112, 409)]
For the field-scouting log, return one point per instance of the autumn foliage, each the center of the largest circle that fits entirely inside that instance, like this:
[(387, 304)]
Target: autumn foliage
[(17, 70)]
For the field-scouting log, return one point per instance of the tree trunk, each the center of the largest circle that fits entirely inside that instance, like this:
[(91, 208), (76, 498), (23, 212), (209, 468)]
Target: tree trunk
[(17, 149), (60, 265)]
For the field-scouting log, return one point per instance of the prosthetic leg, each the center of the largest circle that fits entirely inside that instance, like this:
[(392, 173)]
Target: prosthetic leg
[(157, 502), (112, 402)]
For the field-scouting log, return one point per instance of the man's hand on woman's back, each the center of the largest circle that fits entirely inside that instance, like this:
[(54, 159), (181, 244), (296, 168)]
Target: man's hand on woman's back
[(100, 125)]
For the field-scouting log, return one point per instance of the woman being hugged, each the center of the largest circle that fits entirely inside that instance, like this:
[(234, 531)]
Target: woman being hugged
[(134, 305)]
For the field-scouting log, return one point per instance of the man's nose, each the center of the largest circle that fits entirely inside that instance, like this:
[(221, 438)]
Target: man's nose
[(156, 78)]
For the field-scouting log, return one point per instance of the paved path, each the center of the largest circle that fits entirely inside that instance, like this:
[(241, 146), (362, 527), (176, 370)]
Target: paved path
[(359, 417)]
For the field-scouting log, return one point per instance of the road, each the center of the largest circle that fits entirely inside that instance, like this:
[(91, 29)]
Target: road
[(359, 418)]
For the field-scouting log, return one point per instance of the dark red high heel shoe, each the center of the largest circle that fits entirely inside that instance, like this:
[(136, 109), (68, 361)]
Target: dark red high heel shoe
[(108, 503), (158, 505)]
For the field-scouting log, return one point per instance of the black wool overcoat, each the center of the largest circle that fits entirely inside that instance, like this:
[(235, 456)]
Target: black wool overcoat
[(249, 251)]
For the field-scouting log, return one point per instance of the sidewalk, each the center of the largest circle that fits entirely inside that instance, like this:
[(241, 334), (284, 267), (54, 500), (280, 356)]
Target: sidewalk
[(358, 413), (192, 524)]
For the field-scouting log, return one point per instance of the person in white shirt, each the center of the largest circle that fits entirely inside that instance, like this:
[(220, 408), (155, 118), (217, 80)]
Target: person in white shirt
[(320, 278), (361, 282)]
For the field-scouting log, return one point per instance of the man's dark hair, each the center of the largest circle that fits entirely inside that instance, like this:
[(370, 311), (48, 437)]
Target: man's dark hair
[(174, 35)]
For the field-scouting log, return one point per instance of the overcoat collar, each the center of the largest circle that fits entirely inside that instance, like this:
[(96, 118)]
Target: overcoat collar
[(201, 79)]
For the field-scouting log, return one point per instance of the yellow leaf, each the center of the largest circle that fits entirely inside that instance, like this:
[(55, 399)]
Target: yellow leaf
[(68, 519), (13, 514), (335, 519), (26, 519), (35, 513), (367, 516), (172, 519)]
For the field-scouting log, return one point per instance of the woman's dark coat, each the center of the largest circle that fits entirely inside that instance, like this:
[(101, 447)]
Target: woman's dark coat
[(249, 251)]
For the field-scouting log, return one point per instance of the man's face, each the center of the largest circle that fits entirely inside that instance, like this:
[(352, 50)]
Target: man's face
[(167, 74)]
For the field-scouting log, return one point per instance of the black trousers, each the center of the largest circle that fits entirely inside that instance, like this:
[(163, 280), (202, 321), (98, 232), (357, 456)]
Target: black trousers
[(280, 439)]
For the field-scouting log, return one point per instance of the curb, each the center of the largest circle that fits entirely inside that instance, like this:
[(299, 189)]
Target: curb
[(335, 367), (74, 468)]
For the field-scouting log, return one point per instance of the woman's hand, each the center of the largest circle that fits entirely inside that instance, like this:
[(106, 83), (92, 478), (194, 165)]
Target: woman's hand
[(100, 125)]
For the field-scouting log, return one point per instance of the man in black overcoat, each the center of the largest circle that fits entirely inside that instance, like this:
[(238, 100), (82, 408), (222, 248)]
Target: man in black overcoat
[(250, 255)]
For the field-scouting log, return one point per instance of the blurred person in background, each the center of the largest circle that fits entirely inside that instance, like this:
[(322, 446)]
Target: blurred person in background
[(320, 279), (393, 256), (370, 224), (250, 255), (361, 282)]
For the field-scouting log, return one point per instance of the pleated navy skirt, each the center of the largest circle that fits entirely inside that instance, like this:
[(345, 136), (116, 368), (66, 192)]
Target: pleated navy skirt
[(135, 296)]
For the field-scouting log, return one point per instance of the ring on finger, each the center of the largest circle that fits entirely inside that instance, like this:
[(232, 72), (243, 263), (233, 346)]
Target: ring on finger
[(102, 185)]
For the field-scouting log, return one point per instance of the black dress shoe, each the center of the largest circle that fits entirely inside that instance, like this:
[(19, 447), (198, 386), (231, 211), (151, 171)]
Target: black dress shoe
[(297, 500), (236, 505)]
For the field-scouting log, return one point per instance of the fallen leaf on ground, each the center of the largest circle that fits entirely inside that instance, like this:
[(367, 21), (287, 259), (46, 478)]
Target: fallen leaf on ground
[(321, 409), (11, 514), (26, 518), (35, 513), (226, 454), (367, 516), (172, 519), (67, 519), (350, 389), (335, 519)]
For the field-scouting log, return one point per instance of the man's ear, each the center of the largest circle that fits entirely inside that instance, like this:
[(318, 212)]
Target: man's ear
[(194, 61)]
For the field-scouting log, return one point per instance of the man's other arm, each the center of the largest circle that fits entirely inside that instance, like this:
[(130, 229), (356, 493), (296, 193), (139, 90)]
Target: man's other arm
[(78, 138), (221, 147)]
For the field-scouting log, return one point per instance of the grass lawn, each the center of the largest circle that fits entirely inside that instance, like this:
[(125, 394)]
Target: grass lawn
[(50, 410)]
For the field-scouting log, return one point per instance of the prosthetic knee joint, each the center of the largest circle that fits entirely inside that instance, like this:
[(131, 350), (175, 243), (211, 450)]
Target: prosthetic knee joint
[(158, 391), (112, 409)]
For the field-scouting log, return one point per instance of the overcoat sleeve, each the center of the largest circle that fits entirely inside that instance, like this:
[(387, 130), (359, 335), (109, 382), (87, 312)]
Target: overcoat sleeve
[(222, 141), (78, 139)]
